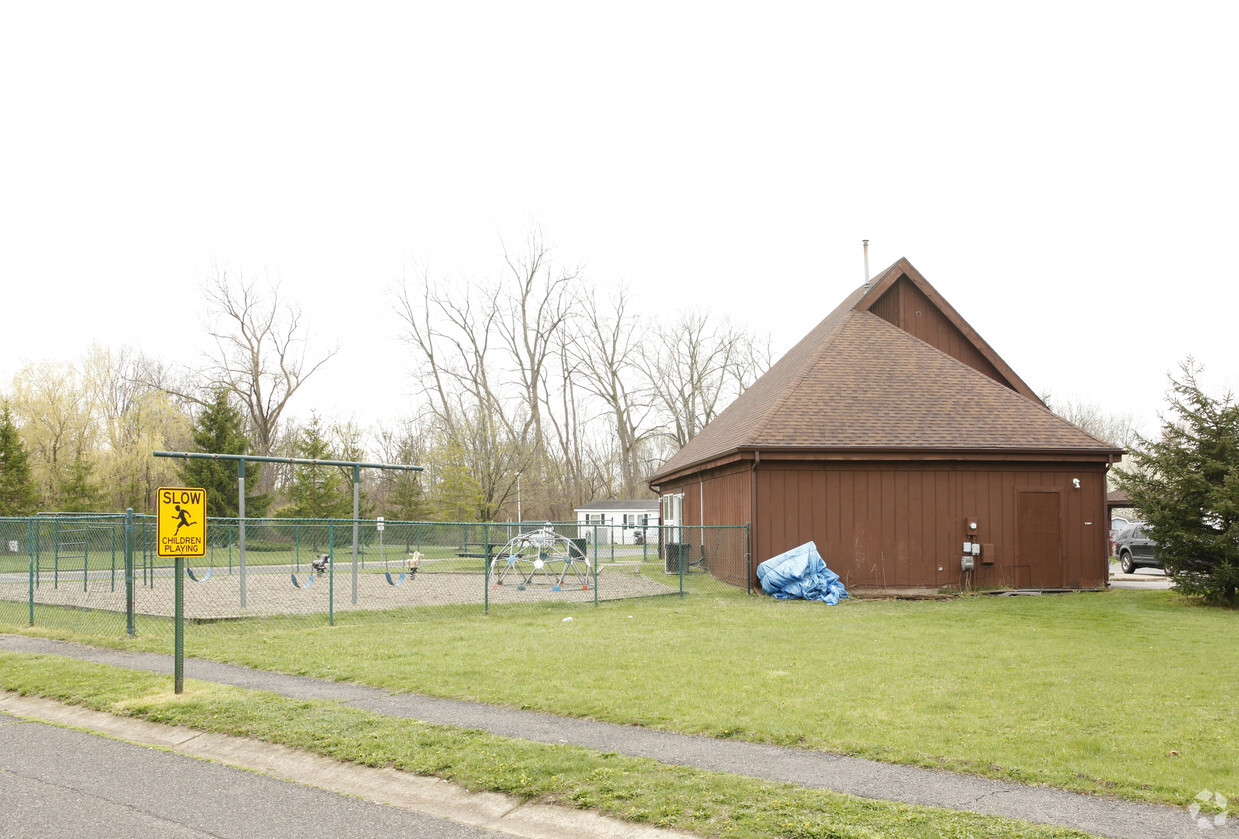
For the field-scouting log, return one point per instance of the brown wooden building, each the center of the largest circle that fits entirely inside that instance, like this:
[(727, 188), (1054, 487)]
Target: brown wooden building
[(893, 435)]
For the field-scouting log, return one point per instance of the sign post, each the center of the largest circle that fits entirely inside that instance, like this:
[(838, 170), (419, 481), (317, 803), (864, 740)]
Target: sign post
[(180, 531)]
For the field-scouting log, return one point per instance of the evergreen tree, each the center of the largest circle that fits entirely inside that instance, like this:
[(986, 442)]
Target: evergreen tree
[(1186, 488), (407, 500), (80, 492), (317, 492), (219, 430), (18, 496), (404, 496)]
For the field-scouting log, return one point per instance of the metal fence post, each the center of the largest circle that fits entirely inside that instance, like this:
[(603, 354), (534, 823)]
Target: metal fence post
[(36, 548), (32, 564), (748, 561), (130, 628), (331, 574), (681, 547), (178, 645), (356, 513), (148, 561), (486, 566), (85, 558), (241, 525)]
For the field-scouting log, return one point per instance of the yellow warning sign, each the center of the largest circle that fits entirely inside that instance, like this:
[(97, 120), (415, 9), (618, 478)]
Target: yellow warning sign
[(180, 529)]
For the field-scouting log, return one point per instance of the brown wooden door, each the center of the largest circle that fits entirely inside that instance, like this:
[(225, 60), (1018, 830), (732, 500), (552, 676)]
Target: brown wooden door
[(1039, 544)]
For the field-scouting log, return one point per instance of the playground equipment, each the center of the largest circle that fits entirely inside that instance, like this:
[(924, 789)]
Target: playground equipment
[(410, 563), (241, 460), (319, 567), (199, 577), (541, 557), (195, 577), (383, 558)]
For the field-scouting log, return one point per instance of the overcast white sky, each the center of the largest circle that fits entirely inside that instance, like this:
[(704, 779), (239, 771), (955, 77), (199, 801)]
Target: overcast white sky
[(1064, 173)]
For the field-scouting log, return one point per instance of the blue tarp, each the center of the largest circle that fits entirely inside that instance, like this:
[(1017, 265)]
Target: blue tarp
[(801, 574)]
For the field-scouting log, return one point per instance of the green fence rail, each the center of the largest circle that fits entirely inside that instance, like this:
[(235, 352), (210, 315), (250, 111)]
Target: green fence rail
[(99, 574)]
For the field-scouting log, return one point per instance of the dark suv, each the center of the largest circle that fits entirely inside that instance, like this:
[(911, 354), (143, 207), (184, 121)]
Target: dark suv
[(1135, 547)]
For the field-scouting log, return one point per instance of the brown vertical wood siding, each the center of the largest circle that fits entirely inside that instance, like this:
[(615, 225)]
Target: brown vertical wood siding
[(728, 502), (894, 525)]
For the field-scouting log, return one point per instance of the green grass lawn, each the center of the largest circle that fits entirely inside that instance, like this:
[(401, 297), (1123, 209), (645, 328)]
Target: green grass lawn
[(1125, 693), (635, 789)]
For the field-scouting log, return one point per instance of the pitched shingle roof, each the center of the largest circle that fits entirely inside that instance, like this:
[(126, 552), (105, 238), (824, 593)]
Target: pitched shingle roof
[(857, 381), (641, 505)]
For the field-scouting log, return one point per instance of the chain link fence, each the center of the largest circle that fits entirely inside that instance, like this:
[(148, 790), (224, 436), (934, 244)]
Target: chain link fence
[(99, 574)]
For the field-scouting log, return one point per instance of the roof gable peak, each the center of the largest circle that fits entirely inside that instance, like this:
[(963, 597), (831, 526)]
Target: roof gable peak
[(903, 297)]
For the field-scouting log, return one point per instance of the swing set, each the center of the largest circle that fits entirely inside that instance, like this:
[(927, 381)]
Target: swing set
[(195, 577), (319, 567), (241, 459), (411, 562)]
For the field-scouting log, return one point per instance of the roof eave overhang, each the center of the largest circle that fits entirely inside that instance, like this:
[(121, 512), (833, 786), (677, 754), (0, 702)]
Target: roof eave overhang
[(626, 504), (885, 453)]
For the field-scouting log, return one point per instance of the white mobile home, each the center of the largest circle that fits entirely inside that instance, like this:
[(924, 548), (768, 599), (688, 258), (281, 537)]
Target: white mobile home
[(619, 521)]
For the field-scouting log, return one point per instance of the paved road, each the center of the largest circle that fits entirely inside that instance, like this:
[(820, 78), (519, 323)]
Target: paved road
[(1144, 578), (866, 778), (56, 782)]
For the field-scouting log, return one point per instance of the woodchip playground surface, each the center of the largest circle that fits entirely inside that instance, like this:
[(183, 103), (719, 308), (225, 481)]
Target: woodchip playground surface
[(270, 591)]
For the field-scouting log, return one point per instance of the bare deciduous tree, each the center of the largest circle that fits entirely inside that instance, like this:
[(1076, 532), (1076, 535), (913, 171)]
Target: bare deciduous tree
[(260, 357), (696, 366), (135, 419), (260, 352), (1116, 429), (608, 364), (533, 376), (492, 366), (458, 375), (539, 302), (568, 426)]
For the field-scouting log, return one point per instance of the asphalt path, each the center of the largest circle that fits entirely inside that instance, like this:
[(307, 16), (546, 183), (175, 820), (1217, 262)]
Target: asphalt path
[(870, 779)]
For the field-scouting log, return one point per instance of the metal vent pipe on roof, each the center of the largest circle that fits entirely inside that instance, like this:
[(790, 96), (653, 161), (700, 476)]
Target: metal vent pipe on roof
[(866, 241)]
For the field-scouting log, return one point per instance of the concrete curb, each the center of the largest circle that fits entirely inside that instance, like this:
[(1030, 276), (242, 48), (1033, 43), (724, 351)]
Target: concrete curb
[(430, 796)]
